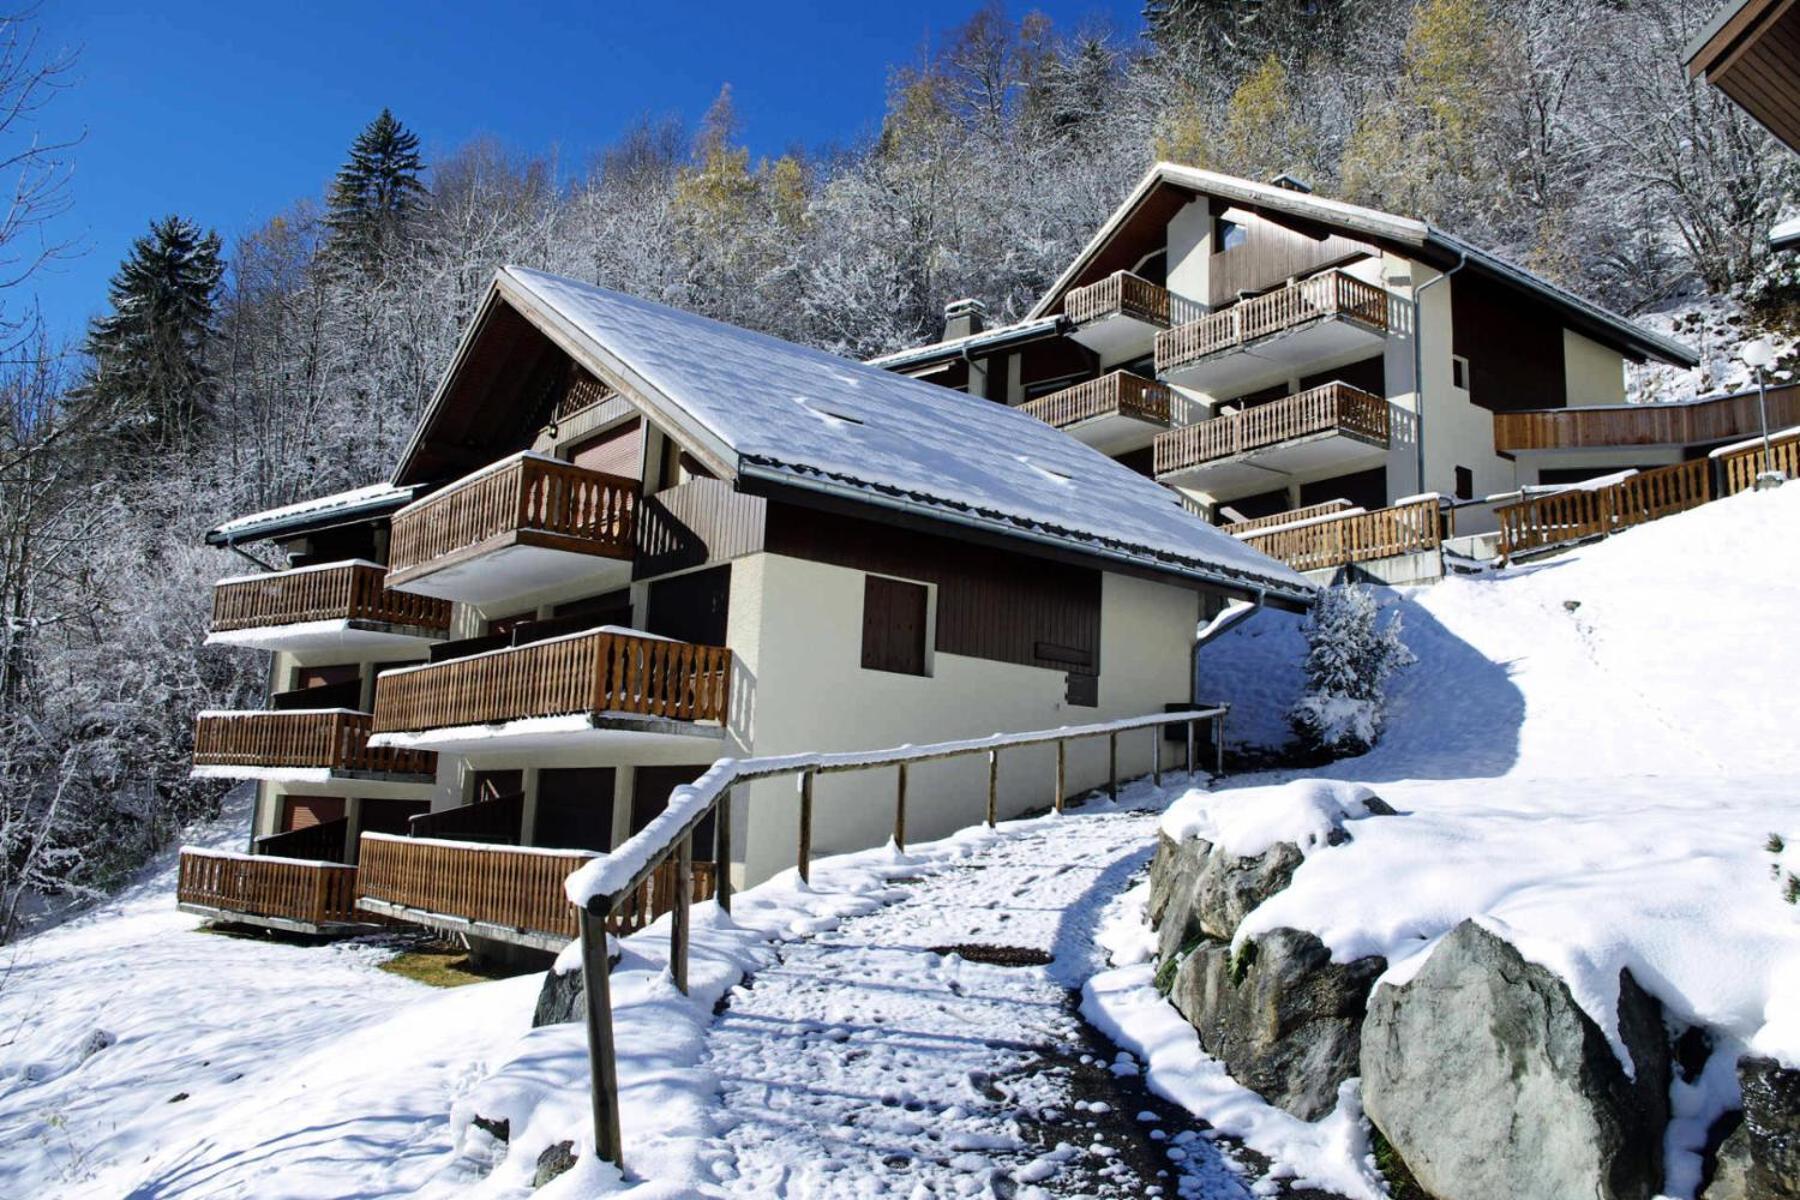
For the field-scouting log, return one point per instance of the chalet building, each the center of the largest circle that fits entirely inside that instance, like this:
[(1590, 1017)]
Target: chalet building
[(1750, 50), (1317, 375), (625, 542)]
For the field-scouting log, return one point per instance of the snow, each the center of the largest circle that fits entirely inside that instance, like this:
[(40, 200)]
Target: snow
[(264, 576), (1306, 812), (370, 494), (1755, 443), (759, 397), (1716, 327)]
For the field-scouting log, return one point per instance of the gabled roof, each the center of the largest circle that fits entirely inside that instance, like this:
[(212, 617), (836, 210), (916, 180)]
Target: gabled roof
[(755, 407), (1402, 233), (319, 512)]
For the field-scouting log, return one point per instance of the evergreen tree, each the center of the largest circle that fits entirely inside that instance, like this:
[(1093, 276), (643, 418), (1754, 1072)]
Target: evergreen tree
[(376, 193), (149, 353), (1348, 660)]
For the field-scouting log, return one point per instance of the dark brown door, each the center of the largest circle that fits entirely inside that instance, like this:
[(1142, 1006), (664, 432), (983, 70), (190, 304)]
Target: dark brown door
[(389, 816), (618, 451), (650, 789), (303, 812), (692, 608), (575, 808), (894, 625)]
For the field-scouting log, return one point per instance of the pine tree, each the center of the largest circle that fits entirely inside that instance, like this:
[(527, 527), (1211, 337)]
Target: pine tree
[(1348, 660), (149, 354), (376, 195)]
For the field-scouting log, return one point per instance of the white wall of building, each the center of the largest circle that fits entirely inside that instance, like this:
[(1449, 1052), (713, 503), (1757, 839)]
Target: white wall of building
[(1593, 374)]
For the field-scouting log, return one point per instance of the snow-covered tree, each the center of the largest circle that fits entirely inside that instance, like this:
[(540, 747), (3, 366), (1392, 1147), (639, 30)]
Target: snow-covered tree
[(1349, 656)]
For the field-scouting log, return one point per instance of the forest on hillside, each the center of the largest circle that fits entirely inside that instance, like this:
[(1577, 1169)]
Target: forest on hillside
[(227, 377)]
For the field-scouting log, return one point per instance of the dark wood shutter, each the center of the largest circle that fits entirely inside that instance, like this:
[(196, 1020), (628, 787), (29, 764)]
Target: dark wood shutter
[(618, 451), (575, 808), (303, 812), (893, 625), (389, 816)]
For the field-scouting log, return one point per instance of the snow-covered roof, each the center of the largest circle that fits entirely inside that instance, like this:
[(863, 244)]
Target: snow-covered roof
[(987, 340), (812, 420), (1370, 223), (368, 500), (1786, 235)]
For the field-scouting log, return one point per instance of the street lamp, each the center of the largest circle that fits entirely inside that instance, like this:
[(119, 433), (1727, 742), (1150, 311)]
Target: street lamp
[(1759, 355)]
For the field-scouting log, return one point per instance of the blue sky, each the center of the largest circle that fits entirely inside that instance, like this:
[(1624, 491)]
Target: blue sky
[(228, 112)]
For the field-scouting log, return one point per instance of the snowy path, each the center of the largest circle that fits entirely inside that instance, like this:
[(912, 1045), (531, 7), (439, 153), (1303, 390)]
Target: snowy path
[(866, 1064)]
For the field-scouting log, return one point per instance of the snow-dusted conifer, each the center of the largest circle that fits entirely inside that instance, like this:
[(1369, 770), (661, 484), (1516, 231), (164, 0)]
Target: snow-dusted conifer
[(1349, 657)]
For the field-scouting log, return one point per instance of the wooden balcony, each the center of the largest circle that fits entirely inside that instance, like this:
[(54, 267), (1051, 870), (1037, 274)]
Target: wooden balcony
[(1123, 312), (1292, 516), (301, 746), (523, 524), (507, 893), (295, 895), (1330, 541), (1690, 423), (1331, 429), (1328, 319), (601, 685), (342, 605), (1115, 413)]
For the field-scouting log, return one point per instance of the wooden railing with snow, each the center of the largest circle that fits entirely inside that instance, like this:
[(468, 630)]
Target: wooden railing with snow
[(1123, 294), (347, 591), (1579, 513), (1324, 509), (1684, 423), (1329, 294), (301, 891), (1740, 465), (1330, 408), (1119, 393), (607, 882), (1329, 541), (329, 739)]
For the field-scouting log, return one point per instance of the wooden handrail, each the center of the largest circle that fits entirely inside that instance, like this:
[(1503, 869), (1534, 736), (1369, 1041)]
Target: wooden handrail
[(312, 893), (581, 509), (1328, 294), (585, 673), (1332, 408), (1409, 528), (1579, 513), (351, 591), (1715, 419), (1323, 509), (330, 739), (1119, 393)]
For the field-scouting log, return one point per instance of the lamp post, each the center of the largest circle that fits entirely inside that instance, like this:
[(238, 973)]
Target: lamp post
[(1759, 355)]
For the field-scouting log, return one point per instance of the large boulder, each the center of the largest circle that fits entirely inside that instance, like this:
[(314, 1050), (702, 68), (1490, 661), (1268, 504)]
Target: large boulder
[(1491, 1083), (1771, 1127), (1731, 1170), (1201, 892), (1284, 1019)]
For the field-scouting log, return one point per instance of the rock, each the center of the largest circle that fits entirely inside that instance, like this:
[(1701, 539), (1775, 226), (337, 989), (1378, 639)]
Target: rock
[(1731, 1171), (553, 1162), (1206, 893), (498, 1128), (560, 999), (1772, 1127), (1492, 1084), (1285, 1020)]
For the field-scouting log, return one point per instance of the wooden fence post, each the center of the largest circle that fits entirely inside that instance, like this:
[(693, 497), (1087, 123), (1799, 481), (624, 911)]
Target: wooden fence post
[(1156, 737), (602, 1057), (722, 851), (1062, 769), (993, 811), (900, 807), (1190, 751), (804, 860), (681, 918), (1112, 766), (1219, 745)]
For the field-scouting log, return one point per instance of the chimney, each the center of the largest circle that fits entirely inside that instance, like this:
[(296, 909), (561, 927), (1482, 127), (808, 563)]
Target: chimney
[(1284, 180), (963, 318)]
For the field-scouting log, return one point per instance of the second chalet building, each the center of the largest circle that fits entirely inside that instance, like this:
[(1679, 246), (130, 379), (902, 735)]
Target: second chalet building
[(625, 542)]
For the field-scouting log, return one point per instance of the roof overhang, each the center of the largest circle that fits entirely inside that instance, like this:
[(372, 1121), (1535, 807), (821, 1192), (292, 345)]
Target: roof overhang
[(1750, 50), (280, 523)]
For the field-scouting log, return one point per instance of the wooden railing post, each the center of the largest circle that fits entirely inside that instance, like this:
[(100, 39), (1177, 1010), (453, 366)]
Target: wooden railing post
[(681, 917), (993, 807), (1219, 746), (602, 1054), (900, 807), (1062, 769), (804, 863), (1112, 764), (722, 852), (1190, 751), (1156, 737)]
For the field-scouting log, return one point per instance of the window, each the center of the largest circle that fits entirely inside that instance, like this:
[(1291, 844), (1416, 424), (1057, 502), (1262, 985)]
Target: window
[(1459, 372), (1227, 234), (1465, 484), (1081, 691), (894, 625)]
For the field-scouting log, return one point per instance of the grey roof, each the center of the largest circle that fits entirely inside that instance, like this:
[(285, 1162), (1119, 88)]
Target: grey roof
[(318, 512)]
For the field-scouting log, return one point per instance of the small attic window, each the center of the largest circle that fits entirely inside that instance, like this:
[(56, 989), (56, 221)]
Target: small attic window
[(1227, 234)]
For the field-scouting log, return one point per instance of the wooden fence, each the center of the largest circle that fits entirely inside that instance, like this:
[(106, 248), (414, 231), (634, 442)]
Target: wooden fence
[(324, 842), (1329, 294), (1325, 509), (351, 591), (1319, 544), (556, 503), (1578, 513), (1123, 294), (1739, 468), (332, 739), (584, 673), (301, 891), (1692, 422), (1330, 408), (1117, 394)]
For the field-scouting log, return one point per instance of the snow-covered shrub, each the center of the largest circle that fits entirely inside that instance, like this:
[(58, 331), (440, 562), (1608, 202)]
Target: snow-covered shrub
[(1349, 656)]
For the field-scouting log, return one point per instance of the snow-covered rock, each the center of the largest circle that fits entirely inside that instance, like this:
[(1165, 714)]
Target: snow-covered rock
[(1771, 1129)]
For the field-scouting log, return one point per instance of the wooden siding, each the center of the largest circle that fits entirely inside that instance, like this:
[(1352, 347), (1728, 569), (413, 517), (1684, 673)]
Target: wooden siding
[(1119, 393), (308, 893), (1513, 342), (992, 603), (617, 451), (1720, 419), (594, 673), (1336, 408), (334, 741), (1329, 295), (348, 592), (1579, 513), (1361, 537), (698, 522), (1754, 58), (1273, 251)]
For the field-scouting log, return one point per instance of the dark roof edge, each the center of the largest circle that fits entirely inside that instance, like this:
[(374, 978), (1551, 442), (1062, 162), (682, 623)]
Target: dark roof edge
[(987, 341), (294, 524)]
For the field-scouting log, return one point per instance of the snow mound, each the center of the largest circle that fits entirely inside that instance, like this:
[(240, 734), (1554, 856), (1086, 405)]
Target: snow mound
[(1310, 813)]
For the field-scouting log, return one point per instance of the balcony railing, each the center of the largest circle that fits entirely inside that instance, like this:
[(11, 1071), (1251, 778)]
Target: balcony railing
[(525, 498), (1119, 394), (1693, 422), (1333, 408), (328, 739), (1325, 542), (348, 591), (580, 673), (1292, 516), (1123, 294), (1331, 294), (305, 893), (1579, 512)]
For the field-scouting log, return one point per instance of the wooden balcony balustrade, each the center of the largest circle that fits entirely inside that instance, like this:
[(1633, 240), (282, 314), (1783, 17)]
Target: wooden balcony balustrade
[(348, 591), (1123, 294), (502, 888), (526, 499), (1580, 513), (305, 893), (1293, 515), (331, 739), (1739, 468), (1330, 294), (1326, 542), (1693, 422), (324, 842), (579, 673), (1332, 408), (1119, 393)]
